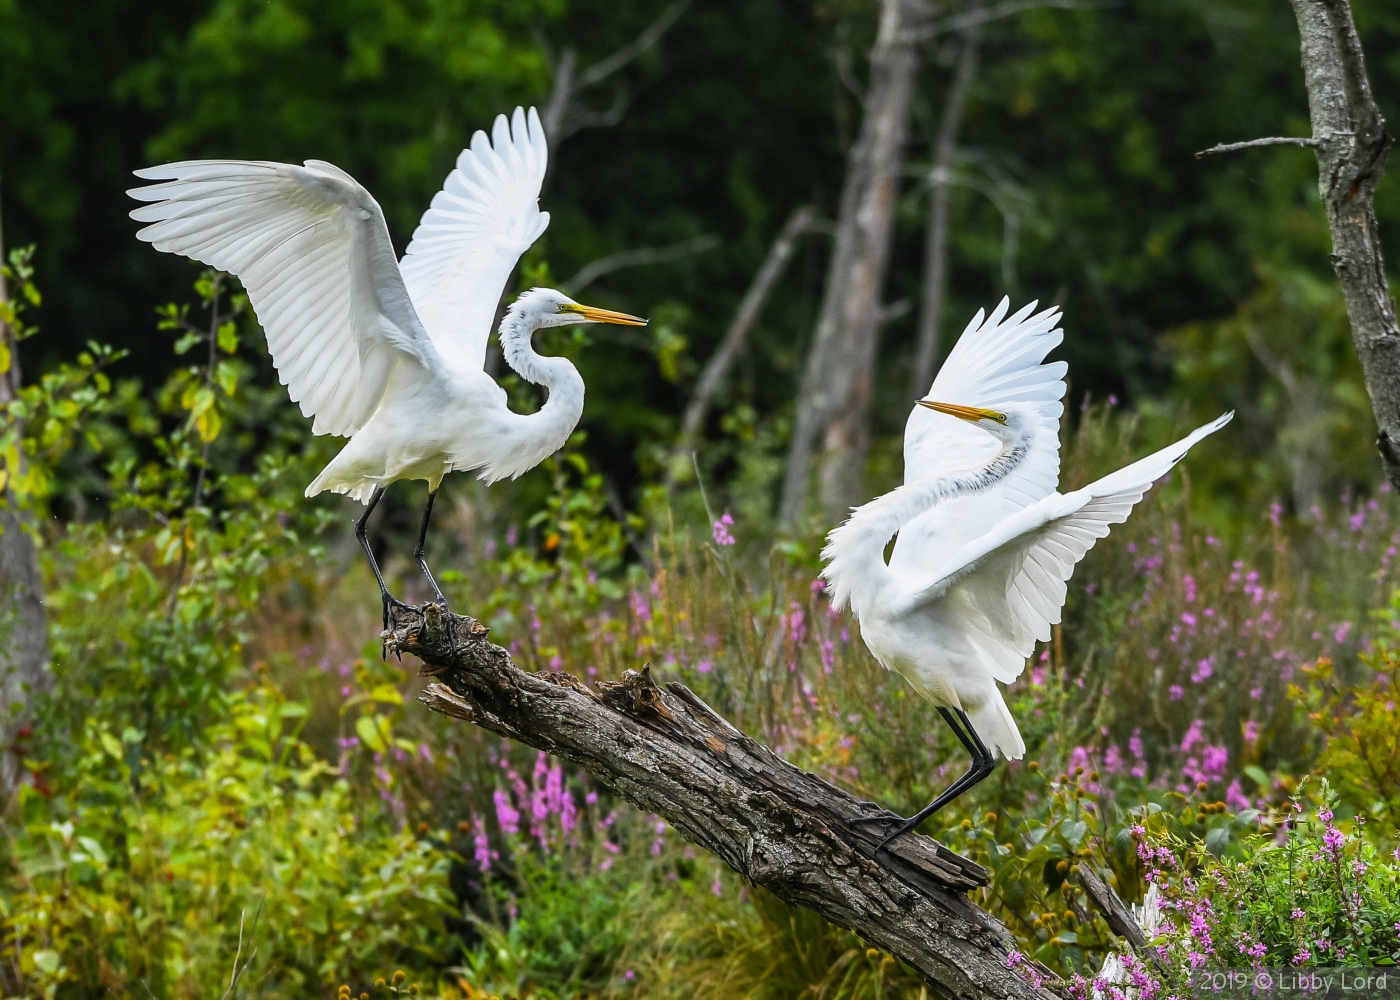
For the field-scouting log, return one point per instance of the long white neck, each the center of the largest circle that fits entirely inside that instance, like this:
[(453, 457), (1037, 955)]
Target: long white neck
[(545, 431), (855, 552)]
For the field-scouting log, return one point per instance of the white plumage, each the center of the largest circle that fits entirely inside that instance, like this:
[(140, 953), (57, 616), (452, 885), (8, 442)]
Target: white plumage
[(388, 353), (986, 543)]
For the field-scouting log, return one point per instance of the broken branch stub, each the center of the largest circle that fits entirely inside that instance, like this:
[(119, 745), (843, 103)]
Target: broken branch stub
[(667, 752)]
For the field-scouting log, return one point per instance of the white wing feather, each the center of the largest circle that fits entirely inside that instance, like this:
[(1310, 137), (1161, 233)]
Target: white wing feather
[(1016, 574), (997, 360), (311, 248), (468, 241)]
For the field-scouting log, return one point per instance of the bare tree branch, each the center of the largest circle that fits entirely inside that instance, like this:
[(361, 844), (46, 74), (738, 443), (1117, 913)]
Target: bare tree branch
[(1352, 147), (600, 71), (559, 96), (594, 270), (774, 264), (559, 120), (996, 12), (1106, 901), (899, 308), (778, 826), (1234, 147)]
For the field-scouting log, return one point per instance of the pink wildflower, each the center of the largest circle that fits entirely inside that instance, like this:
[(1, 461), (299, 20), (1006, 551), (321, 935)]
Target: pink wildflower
[(506, 814)]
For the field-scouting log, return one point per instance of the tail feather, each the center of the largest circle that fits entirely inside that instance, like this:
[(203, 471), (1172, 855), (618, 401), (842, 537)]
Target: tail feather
[(993, 722), (359, 489)]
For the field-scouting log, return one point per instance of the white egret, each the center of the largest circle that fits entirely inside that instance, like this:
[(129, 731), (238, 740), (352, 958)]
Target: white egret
[(389, 353), (985, 542)]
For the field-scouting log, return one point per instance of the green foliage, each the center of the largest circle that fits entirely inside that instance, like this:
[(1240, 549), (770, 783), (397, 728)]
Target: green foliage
[(116, 882), (1285, 363), (1361, 752), (154, 602), (174, 818)]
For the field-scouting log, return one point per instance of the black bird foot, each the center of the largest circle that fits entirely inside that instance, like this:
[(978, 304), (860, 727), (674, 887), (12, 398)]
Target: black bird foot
[(451, 622), (886, 816), (390, 601)]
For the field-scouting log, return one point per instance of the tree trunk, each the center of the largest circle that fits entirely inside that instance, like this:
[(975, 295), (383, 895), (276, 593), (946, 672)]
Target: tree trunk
[(1352, 146), (834, 400), (936, 232), (780, 827), (24, 662)]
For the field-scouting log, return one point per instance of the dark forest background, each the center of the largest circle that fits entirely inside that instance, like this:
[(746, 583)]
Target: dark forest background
[(1075, 180)]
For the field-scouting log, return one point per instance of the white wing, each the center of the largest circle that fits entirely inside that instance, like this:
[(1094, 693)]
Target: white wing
[(468, 241), (1015, 575), (995, 362), (312, 250)]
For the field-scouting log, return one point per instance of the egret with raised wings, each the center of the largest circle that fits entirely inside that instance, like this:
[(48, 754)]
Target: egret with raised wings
[(385, 352), (985, 542)]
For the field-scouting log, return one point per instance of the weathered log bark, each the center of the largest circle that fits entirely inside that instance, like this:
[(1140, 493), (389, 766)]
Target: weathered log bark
[(1352, 145), (834, 401), (780, 827)]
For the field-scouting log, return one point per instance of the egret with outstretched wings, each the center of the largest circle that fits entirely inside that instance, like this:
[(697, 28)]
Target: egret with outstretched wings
[(385, 352), (986, 543)]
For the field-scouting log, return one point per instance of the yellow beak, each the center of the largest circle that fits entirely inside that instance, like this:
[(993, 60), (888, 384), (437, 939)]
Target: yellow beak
[(595, 315), (972, 413)]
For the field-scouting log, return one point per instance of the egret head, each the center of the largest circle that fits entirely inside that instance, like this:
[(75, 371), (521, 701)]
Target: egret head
[(542, 307), (1005, 423)]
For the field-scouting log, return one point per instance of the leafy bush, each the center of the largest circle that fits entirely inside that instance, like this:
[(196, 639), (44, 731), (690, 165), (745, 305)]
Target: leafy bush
[(257, 841), (1361, 753)]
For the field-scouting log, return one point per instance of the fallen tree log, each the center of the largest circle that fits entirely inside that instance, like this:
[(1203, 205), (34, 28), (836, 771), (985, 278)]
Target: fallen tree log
[(780, 827)]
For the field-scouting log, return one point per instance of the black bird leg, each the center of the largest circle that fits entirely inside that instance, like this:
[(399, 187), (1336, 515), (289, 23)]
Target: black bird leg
[(983, 764), (423, 565), (384, 595), (418, 552)]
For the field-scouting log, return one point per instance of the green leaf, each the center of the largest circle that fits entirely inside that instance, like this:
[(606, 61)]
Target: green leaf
[(387, 694), (228, 337), (46, 961), (1217, 840), (1258, 775), (226, 374), (111, 745), (1073, 831), (368, 729), (94, 850)]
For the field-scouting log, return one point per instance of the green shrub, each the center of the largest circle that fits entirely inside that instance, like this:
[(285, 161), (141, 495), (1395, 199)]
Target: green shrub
[(116, 886)]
